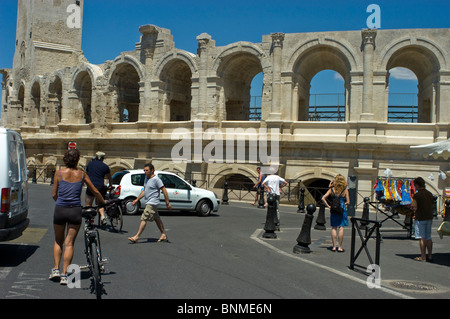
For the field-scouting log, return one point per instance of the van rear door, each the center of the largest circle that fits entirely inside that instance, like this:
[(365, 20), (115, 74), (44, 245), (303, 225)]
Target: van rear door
[(18, 178)]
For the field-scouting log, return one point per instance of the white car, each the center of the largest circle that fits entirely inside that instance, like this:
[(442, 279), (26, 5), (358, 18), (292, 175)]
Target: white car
[(182, 195)]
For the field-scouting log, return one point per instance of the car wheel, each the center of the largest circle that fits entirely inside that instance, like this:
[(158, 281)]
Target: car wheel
[(204, 208), (130, 208)]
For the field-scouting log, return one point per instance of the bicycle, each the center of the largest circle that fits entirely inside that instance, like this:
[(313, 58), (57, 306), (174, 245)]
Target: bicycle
[(93, 250), (113, 211)]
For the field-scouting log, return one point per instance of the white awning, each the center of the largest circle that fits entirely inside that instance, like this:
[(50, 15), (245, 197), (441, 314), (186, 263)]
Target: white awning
[(435, 150)]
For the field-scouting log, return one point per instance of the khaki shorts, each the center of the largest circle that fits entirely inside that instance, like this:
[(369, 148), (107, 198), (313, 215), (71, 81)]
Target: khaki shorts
[(150, 213)]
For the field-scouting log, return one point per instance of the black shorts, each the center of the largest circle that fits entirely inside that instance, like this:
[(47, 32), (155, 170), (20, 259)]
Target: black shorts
[(67, 215), (102, 189)]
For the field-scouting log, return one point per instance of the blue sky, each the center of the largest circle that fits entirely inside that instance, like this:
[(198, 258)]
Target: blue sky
[(111, 26)]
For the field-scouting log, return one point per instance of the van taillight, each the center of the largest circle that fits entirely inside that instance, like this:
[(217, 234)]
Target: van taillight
[(6, 200), (117, 190)]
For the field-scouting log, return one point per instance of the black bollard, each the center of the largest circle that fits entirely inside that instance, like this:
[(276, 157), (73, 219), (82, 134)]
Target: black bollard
[(34, 179), (269, 227), (304, 239), (301, 203), (261, 197), (320, 220), (225, 194), (365, 213)]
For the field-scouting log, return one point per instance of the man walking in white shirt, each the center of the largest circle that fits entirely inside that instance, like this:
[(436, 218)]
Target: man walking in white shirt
[(272, 184)]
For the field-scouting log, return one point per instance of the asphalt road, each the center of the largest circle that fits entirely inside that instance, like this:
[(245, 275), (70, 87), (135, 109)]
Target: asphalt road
[(218, 258)]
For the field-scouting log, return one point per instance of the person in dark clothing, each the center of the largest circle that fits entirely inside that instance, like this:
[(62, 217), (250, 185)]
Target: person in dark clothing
[(422, 206), (97, 171)]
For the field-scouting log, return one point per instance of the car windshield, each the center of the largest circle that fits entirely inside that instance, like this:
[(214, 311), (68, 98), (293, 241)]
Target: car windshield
[(117, 177)]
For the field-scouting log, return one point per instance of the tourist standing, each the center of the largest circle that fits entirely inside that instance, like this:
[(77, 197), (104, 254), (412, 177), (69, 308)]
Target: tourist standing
[(422, 206), (338, 221), (258, 185)]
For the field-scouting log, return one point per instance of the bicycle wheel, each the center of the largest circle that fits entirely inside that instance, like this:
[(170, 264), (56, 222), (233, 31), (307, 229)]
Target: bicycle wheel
[(116, 219), (97, 286)]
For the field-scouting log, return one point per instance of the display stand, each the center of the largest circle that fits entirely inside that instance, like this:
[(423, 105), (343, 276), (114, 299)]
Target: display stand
[(394, 198)]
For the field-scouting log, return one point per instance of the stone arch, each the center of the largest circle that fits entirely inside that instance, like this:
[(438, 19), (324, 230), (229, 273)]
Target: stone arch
[(125, 82), (34, 112), (425, 60), (184, 56), (82, 85), (21, 99), (313, 57), (94, 71), (118, 165), (223, 171), (55, 91), (176, 79), (235, 67)]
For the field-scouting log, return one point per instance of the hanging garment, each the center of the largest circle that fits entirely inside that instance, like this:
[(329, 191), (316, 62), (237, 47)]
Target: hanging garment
[(387, 190), (379, 190), (406, 195), (398, 189)]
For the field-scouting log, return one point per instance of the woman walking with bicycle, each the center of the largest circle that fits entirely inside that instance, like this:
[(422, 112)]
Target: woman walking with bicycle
[(68, 183)]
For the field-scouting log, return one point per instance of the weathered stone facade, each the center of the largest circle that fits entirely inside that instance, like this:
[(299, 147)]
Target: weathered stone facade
[(130, 106)]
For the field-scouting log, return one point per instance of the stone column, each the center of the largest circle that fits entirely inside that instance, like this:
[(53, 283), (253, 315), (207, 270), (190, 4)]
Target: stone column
[(277, 45), (368, 46), (204, 40)]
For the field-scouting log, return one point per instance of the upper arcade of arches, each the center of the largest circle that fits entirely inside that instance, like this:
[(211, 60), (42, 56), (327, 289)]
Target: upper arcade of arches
[(157, 82)]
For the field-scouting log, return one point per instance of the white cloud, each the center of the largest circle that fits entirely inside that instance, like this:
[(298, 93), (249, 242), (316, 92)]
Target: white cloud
[(402, 74), (337, 76)]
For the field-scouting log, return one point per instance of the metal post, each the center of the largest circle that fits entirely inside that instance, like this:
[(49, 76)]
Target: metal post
[(304, 238), (269, 227), (301, 203), (261, 197), (320, 220), (225, 194)]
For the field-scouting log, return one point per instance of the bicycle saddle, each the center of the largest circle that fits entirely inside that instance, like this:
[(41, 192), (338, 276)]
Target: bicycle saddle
[(88, 212)]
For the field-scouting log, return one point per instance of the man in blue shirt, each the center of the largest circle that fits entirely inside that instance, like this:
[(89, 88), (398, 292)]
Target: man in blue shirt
[(97, 171), (152, 188)]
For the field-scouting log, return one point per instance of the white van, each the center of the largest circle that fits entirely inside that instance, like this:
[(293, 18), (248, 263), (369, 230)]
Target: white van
[(13, 185)]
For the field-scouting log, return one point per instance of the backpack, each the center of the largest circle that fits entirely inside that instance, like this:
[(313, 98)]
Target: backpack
[(335, 207)]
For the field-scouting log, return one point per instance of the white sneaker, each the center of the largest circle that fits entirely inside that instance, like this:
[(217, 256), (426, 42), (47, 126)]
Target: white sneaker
[(104, 221), (54, 275), (64, 280)]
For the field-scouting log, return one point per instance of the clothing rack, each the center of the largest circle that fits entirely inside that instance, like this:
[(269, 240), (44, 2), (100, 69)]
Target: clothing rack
[(394, 196)]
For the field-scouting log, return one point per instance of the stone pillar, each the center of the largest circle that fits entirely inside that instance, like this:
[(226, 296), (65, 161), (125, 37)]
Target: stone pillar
[(204, 42), (368, 46), (277, 45)]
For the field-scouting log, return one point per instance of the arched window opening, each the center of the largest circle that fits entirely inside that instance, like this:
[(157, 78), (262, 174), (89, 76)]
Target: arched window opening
[(327, 97), (83, 88), (403, 96), (55, 100), (35, 110), (125, 81), (256, 97), (238, 74), (177, 77), (423, 73), (21, 98), (321, 85)]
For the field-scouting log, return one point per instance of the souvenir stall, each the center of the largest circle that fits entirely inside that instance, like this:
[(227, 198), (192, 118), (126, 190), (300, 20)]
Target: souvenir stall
[(394, 197), (438, 150)]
